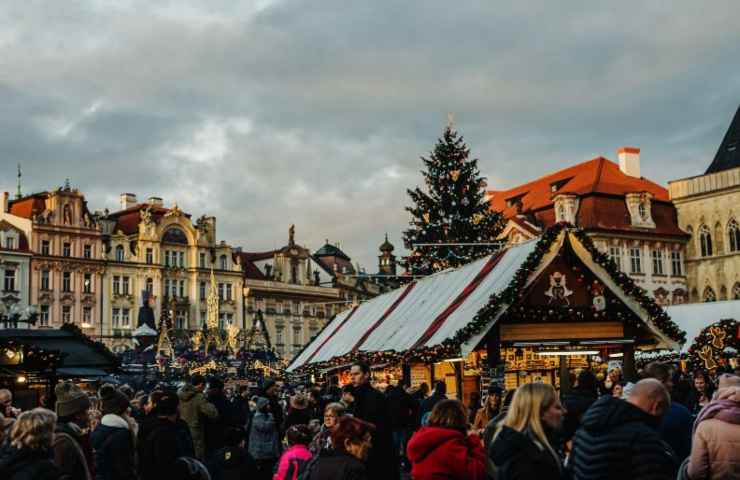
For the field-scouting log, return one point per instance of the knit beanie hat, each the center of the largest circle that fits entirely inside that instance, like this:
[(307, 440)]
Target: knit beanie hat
[(70, 399), (112, 400)]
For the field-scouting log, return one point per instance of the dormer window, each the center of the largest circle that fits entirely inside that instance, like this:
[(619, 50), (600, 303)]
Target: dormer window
[(514, 201), (639, 206), (555, 186), (10, 242), (566, 208)]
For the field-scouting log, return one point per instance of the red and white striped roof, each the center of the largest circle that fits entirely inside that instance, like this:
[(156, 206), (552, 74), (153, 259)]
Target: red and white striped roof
[(420, 314)]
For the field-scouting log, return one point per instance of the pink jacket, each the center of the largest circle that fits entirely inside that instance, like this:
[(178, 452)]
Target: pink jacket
[(715, 451), (291, 462)]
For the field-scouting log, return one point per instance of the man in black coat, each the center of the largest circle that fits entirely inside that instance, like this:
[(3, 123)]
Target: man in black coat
[(427, 405), (621, 439), (228, 416), (164, 442), (372, 406)]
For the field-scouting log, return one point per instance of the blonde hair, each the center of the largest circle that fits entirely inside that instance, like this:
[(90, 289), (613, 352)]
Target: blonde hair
[(530, 401), (34, 429), (336, 408)]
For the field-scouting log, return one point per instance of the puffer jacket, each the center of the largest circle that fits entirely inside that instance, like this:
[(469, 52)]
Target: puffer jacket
[(264, 438), (516, 456), (443, 453), (715, 451), (618, 440), (27, 464), (195, 410), (113, 447)]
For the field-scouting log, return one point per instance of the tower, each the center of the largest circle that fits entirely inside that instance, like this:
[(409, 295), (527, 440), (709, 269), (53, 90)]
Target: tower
[(212, 334), (386, 260)]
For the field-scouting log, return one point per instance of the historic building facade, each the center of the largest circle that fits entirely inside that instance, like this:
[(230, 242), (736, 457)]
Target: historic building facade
[(67, 263), (15, 259), (709, 210), (628, 217), (161, 251)]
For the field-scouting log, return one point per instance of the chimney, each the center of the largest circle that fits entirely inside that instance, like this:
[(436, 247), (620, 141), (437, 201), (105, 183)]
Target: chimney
[(128, 200), (629, 161), (156, 201), (5, 207)]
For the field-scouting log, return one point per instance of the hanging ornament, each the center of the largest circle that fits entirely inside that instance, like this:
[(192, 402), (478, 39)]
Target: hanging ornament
[(718, 337), (454, 175), (426, 217)]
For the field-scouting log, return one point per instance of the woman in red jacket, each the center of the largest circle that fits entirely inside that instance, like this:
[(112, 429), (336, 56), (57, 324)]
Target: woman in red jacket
[(443, 450)]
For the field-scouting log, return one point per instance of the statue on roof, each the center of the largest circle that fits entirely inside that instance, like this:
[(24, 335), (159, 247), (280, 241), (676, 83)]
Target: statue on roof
[(291, 235)]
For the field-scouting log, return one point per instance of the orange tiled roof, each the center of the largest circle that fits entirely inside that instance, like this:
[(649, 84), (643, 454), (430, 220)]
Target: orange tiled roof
[(127, 221), (29, 206)]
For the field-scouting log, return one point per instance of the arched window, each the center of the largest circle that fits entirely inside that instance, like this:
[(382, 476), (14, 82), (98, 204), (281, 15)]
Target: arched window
[(736, 291), (175, 236), (709, 295), (733, 231), (705, 241), (723, 293), (719, 239), (150, 285), (224, 262), (119, 253)]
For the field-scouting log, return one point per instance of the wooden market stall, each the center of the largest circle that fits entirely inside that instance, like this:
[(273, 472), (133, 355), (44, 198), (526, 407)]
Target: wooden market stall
[(531, 312)]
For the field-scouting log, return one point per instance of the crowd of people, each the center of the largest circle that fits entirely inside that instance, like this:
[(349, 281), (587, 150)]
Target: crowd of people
[(667, 425)]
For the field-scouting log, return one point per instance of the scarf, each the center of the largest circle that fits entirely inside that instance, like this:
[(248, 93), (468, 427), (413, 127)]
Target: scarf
[(725, 410)]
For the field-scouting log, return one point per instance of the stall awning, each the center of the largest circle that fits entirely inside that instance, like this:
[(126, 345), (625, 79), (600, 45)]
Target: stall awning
[(695, 317)]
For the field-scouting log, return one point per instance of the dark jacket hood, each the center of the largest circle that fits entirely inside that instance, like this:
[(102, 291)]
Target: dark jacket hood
[(508, 444), (428, 439), (609, 412)]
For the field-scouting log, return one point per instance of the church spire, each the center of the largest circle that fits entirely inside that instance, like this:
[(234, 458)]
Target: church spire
[(18, 193)]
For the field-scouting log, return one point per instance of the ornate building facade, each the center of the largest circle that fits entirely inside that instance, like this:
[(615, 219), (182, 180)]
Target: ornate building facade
[(709, 210), (15, 258), (628, 217), (148, 247)]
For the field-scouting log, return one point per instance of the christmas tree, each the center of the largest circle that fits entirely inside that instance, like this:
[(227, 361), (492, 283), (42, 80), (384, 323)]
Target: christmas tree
[(452, 210)]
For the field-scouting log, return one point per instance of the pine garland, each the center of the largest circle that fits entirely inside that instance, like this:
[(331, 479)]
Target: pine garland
[(707, 351)]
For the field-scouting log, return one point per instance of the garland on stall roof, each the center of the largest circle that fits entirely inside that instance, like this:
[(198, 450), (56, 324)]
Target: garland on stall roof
[(707, 351)]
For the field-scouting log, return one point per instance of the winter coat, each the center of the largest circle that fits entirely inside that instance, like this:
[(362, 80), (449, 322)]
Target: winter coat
[(617, 440), (232, 463), (676, 429), (482, 418), (322, 441), (69, 451), (428, 404), (372, 406), (576, 404), (446, 454), (338, 466), (215, 429), (161, 443), (292, 462), (264, 438), (715, 451), (402, 407), (517, 456), (297, 416), (27, 464), (195, 409), (113, 447)]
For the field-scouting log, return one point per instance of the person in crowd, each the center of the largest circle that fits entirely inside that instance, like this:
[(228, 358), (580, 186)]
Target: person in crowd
[(271, 391), (578, 401), (227, 416), (492, 425), (240, 404), (440, 393), (322, 440), (162, 441), (443, 448), (348, 398), (676, 427), (352, 440), (489, 410), (403, 412), (27, 455), (613, 377), (332, 392), (187, 468), (297, 455), (421, 393), (195, 409), (621, 439), (113, 440), (7, 412), (264, 439), (72, 449), (618, 390), (701, 393), (474, 405), (523, 445), (299, 412), (315, 404), (233, 462), (372, 406), (715, 449)]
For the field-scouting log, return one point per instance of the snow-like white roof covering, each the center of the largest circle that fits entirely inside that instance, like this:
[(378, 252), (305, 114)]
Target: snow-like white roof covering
[(695, 317)]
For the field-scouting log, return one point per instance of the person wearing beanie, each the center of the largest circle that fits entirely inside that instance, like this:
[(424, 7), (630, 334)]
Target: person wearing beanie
[(166, 439), (228, 416), (72, 450), (298, 413), (233, 461), (195, 410), (113, 440), (271, 391)]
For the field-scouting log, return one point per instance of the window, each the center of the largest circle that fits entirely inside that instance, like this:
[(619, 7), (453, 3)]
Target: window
[(221, 291), (87, 251), (733, 230), (658, 262), (313, 331), (116, 285), (119, 253), (167, 258), (150, 285), (202, 290), (736, 291), (166, 287), (149, 256), (202, 260), (709, 295), (116, 318), (203, 317), (295, 307), (66, 313), (87, 317), (228, 291), (44, 316), (297, 340), (125, 318), (125, 284), (182, 259), (45, 247), (615, 253), (181, 319), (45, 280), (229, 318), (279, 336), (10, 243), (182, 288), (66, 281), (224, 262), (9, 285), (705, 241), (676, 264), (67, 249), (87, 283), (635, 260)]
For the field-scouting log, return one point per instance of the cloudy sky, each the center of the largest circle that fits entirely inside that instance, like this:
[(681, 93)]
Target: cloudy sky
[(270, 112)]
